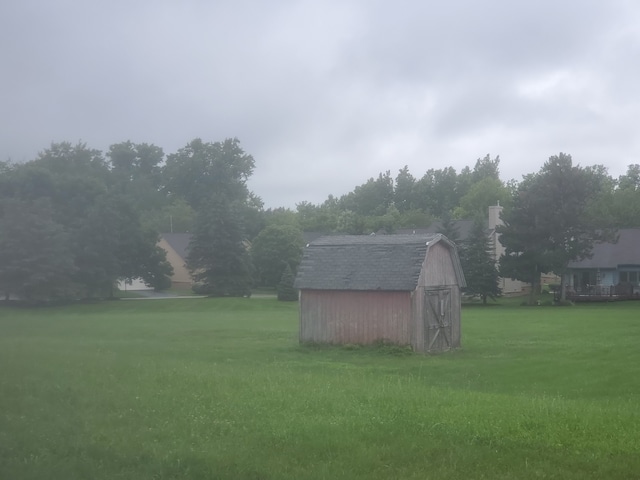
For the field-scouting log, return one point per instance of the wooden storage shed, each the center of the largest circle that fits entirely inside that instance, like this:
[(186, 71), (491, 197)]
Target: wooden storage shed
[(400, 289)]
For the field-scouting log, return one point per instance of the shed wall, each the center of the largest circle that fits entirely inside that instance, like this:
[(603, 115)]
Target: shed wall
[(359, 317)]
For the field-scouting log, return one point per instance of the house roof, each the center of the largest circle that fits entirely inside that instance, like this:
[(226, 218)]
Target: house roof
[(462, 226), (179, 242), (371, 262), (626, 251), (311, 236)]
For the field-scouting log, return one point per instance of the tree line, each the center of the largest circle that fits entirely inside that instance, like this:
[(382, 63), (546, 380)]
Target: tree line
[(75, 220)]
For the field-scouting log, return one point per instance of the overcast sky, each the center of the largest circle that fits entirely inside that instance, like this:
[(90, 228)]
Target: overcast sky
[(328, 93)]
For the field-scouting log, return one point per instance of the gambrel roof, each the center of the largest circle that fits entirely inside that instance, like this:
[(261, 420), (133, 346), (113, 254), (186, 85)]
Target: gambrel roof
[(371, 262)]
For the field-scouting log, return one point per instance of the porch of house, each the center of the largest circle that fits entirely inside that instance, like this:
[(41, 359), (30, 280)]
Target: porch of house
[(602, 293)]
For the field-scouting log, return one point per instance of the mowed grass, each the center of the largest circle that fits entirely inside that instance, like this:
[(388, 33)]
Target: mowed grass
[(220, 389)]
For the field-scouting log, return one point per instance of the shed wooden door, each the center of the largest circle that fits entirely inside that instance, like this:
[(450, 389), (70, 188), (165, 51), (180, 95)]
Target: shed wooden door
[(437, 320)]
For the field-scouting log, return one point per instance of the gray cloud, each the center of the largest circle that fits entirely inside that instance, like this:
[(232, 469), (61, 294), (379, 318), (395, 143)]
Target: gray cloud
[(327, 94)]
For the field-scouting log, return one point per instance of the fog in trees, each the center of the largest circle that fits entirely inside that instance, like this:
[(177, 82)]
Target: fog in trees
[(103, 214)]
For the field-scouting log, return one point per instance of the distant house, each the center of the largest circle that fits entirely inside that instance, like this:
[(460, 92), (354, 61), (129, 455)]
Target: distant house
[(614, 267), (133, 284), (175, 244), (401, 289)]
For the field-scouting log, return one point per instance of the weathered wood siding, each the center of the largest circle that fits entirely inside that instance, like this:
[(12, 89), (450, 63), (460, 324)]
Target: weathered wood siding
[(359, 317), (437, 269), (456, 317), (402, 317), (437, 272)]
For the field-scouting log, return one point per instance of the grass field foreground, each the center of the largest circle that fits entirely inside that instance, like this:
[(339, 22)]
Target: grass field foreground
[(220, 389)]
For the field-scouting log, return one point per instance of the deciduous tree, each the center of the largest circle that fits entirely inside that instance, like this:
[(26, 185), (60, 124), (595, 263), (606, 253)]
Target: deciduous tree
[(404, 194), (136, 173), (624, 208), (110, 245), (36, 261), (482, 194), (437, 192), (201, 169), (372, 198), (486, 168), (549, 223), (99, 223), (318, 218), (273, 250)]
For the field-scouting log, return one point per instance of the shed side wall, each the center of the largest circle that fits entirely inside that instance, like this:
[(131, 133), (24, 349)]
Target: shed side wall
[(359, 317)]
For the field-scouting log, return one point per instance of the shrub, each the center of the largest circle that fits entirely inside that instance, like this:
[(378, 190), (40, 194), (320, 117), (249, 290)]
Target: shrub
[(286, 291)]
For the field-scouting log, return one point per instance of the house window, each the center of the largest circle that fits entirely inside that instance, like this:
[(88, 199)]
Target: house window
[(630, 277)]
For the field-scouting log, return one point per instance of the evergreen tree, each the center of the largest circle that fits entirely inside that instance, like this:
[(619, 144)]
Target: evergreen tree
[(286, 292), (217, 255), (275, 248), (449, 228), (479, 265)]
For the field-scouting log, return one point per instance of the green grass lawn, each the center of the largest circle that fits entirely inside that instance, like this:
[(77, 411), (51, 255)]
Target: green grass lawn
[(220, 389)]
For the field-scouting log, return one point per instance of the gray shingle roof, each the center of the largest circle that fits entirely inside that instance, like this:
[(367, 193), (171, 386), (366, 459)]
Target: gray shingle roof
[(610, 255), (178, 241), (356, 262)]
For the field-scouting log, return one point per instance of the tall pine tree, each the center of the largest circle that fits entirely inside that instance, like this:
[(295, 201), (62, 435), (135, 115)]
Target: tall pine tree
[(217, 256), (478, 264), (449, 228), (286, 290)]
